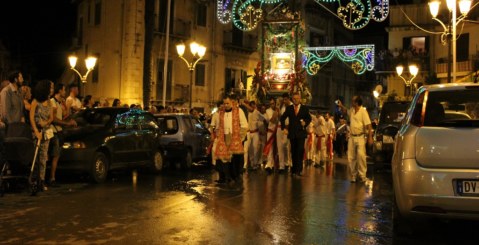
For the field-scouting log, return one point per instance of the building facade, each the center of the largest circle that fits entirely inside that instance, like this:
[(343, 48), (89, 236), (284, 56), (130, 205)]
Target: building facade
[(419, 42), (114, 31)]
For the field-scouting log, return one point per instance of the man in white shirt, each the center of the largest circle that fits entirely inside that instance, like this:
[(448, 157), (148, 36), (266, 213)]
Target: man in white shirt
[(271, 148), (73, 104), (255, 121), (320, 130), (360, 128), (330, 134), (57, 124)]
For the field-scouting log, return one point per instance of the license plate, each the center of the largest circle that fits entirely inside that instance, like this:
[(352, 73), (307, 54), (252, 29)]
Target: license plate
[(468, 187)]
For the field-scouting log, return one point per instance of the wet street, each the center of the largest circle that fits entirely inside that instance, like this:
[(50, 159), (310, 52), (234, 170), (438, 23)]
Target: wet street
[(175, 207)]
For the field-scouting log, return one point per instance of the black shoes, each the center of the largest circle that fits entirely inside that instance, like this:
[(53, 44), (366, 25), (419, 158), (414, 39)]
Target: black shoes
[(53, 184)]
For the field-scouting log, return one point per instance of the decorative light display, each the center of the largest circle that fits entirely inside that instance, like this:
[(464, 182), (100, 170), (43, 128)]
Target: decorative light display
[(380, 11), (245, 14), (360, 57), (356, 13)]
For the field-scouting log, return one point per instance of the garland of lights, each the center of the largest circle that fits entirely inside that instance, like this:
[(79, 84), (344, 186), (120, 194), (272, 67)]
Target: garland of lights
[(361, 57), (357, 13), (245, 14)]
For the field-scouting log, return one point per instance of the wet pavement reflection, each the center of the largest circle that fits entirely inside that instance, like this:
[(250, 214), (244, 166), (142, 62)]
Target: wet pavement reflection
[(175, 207)]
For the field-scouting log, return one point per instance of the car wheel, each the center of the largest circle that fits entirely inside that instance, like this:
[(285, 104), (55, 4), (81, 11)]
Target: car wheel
[(99, 168), (158, 161), (188, 160)]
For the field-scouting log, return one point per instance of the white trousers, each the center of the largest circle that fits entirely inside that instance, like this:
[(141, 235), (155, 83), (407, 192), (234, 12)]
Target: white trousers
[(309, 147), (321, 153), (271, 156), (254, 153), (246, 150), (284, 154), (357, 157)]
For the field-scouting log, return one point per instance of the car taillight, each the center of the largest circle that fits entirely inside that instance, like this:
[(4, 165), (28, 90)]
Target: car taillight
[(177, 143)]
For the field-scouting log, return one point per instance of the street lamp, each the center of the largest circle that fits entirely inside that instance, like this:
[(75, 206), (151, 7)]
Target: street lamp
[(413, 71), (198, 51), (464, 7), (89, 63)]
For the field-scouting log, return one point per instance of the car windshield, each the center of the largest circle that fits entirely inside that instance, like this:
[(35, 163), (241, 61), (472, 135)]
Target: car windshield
[(92, 117), (453, 108), (393, 113)]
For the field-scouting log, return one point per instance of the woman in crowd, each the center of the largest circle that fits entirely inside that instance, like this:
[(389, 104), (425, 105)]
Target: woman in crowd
[(41, 116)]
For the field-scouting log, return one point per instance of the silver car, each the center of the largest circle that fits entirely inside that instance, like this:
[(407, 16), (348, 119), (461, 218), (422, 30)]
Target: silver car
[(184, 139), (435, 165)]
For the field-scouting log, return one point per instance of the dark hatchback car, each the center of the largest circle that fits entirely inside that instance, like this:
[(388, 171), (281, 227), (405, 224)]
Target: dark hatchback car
[(111, 138), (184, 138), (390, 118)]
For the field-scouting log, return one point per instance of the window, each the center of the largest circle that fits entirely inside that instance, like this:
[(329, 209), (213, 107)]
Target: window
[(458, 108), (127, 120), (201, 13), (98, 12), (92, 117), (197, 125), (200, 75), (416, 45), (163, 14), (146, 121), (237, 37), (89, 12), (229, 79), (463, 51), (159, 79), (168, 125)]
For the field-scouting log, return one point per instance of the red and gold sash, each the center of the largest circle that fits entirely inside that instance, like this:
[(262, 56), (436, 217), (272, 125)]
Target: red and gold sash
[(318, 144), (224, 152)]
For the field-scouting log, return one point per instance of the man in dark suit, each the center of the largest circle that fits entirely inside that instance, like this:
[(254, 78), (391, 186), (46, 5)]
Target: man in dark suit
[(299, 118)]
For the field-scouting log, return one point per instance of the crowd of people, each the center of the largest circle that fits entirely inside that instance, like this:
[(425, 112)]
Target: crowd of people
[(278, 136), (284, 135)]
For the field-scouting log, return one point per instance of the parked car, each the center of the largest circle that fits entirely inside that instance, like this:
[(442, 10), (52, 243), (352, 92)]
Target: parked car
[(390, 117), (184, 138), (435, 166), (111, 138)]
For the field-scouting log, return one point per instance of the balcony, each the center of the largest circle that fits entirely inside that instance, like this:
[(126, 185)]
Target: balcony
[(181, 30), (245, 43), (463, 67)]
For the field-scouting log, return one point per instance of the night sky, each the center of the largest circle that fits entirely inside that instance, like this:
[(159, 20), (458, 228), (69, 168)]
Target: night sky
[(38, 35)]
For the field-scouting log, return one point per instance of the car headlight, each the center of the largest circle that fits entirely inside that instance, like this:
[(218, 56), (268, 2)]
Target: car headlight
[(74, 145)]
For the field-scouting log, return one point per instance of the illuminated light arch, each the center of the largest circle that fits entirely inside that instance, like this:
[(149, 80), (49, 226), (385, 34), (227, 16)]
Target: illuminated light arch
[(356, 14), (360, 57), (245, 14), (380, 11)]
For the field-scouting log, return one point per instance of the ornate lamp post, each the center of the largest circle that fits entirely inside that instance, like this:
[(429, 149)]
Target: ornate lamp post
[(198, 51), (413, 71), (464, 7), (89, 63)]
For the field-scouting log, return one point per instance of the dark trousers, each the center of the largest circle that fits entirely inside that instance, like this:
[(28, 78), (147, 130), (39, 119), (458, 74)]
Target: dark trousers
[(221, 173), (297, 154), (236, 166), (341, 144)]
